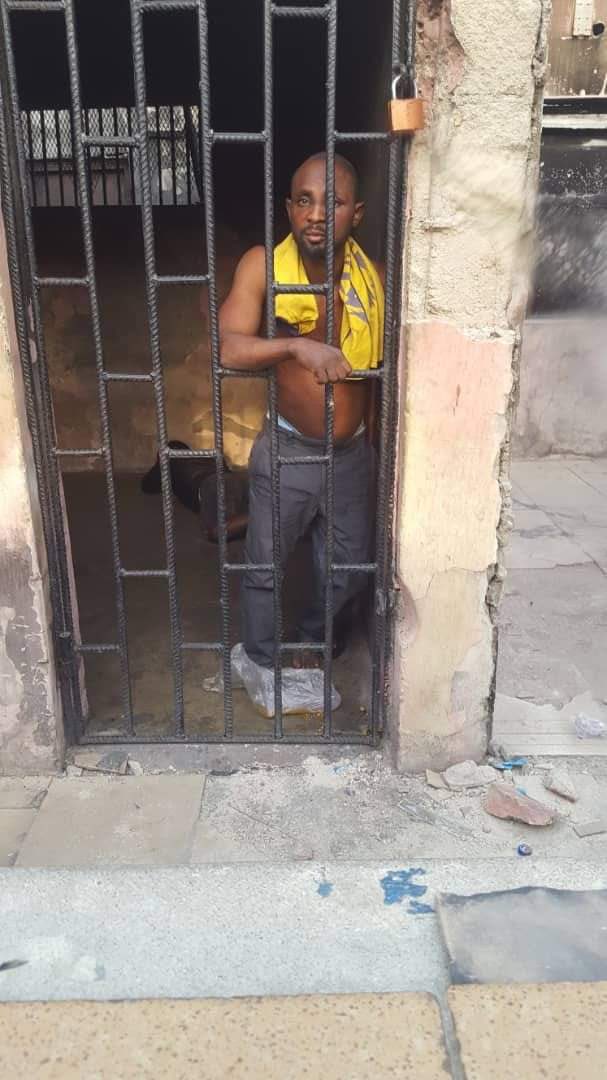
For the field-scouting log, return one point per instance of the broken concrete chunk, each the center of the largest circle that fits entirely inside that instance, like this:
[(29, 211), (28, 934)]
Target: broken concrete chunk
[(559, 781), (589, 828), (434, 779), (503, 801), (468, 774), (134, 768), (114, 761), (73, 771)]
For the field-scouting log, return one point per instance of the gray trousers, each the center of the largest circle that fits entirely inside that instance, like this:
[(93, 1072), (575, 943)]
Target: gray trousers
[(303, 505)]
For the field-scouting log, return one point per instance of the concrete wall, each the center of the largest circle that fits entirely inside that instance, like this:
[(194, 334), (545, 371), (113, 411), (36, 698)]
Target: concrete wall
[(30, 711), (563, 387), (472, 177)]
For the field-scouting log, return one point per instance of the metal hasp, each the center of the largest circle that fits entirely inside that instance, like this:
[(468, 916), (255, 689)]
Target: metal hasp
[(131, 140)]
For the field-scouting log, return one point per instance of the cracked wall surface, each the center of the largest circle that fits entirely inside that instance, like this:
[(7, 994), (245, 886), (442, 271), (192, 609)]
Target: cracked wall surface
[(472, 184), (30, 732)]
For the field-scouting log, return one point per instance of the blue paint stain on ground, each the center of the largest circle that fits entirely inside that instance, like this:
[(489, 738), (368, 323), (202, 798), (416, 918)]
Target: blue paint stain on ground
[(398, 885), (325, 888)]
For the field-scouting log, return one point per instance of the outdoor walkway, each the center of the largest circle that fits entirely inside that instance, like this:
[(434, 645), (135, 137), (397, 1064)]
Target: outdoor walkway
[(553, 618)]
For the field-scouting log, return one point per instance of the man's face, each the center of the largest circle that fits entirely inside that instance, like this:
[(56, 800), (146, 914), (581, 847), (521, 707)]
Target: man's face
[(307, 211)]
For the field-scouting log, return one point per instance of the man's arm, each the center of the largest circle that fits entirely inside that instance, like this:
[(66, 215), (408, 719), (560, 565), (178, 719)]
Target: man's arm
[(240, 321)]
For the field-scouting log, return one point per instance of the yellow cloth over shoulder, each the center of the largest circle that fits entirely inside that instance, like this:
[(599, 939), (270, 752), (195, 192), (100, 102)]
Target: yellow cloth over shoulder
[(362, 294)]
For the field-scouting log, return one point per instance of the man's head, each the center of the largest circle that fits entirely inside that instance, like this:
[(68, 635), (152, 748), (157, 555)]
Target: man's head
[(307, 210)]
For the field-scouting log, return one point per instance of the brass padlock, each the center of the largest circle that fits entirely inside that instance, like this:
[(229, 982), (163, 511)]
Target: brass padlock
[(405, 115)]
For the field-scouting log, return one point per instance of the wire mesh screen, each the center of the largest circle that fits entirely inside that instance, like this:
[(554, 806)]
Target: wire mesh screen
[(113, 175)]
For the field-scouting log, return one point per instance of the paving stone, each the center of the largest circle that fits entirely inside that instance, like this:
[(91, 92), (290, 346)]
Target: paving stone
[(14, 825), (554, 1030), (362, 1036), (22, 793), (138, 820), (552, 486), (503, 801)]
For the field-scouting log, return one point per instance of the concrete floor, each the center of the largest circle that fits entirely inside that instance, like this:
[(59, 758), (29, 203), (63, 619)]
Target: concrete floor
[(142, 547)]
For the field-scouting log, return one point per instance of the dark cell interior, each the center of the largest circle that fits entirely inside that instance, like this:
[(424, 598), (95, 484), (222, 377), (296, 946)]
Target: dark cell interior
[(172, 81)]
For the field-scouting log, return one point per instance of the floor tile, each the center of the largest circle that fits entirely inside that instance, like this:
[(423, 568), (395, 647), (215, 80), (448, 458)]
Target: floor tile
[(22, 793), (553, 1030), (14, 825), (358, 1036), (137, 820)]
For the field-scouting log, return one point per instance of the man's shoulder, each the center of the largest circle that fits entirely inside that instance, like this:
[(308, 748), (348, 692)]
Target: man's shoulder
[(252, 266)]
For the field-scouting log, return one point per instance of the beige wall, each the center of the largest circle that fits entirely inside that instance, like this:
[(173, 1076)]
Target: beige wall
[(30, 711), (472, 180)]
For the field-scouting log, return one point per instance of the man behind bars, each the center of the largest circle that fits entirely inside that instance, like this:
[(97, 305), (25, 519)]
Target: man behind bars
[(303, 365)]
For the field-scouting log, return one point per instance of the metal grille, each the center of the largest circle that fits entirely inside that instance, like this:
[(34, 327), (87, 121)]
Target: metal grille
[(149, 144), (113, 178)]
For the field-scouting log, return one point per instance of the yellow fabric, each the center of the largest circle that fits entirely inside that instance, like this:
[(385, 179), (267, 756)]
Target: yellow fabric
[(362, 294)]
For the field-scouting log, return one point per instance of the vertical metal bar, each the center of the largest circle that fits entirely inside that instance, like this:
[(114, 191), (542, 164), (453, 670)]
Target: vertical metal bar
[(129, 124), (59, 157), (330, 336), (206, 141), (44, 155), (87, 155), (30, 144), (385, 487), (159, 155), (36, 382), (173, 155), (102, 389), (118, 158), (147, 222), (100, 124), (268, 97)]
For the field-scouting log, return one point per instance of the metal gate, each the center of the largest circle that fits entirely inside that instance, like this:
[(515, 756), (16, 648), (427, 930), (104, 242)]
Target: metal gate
[(28, 285)]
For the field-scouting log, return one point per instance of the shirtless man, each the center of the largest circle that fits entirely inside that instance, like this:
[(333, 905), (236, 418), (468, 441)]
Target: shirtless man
[(304, 363)]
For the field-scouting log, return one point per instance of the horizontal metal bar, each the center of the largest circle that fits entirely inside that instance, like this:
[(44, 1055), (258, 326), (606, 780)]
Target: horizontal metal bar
[(125, 376), (363, 136), (81, 648), (372, 373), (202, 646), (355, 568), (238, 136), (109, 140), (181, 279), (98, 452), (241, 567), (35, 5), (206, 454), (143, 573), (250, 738), (297, 290), (237, 373), (55, 282), (304, 459), (166, 5), (291, 12)]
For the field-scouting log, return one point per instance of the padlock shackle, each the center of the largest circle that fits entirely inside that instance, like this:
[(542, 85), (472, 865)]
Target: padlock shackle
[(399, 77)]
